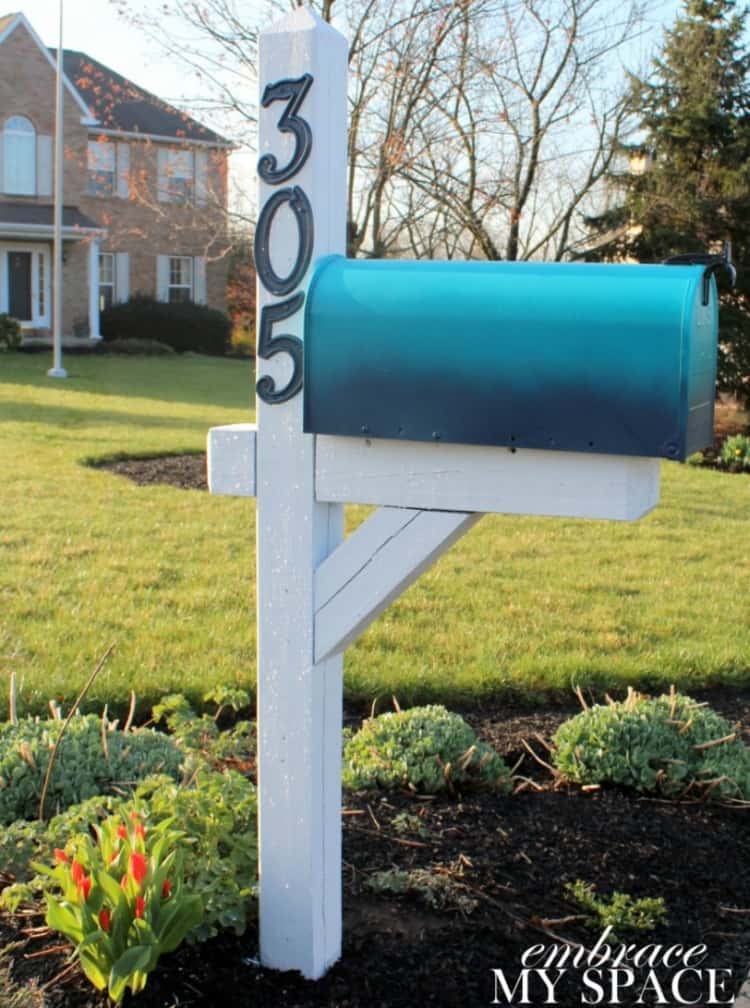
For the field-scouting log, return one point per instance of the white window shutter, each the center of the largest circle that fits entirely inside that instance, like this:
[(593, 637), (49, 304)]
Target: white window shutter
[(44, 165), (2, 164), (122, 276), (199, 280), (162, 181), (201, 177), (162, 278), (123, 170)]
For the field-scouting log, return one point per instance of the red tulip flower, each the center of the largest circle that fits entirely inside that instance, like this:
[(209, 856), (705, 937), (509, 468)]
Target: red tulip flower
[(86, 907), (138, 867), (84, 887)]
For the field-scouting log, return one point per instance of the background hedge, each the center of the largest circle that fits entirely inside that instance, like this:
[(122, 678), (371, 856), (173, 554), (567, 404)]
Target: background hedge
[(184, 326)]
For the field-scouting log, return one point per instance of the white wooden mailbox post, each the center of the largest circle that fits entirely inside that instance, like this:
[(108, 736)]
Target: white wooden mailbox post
[(316, 591)]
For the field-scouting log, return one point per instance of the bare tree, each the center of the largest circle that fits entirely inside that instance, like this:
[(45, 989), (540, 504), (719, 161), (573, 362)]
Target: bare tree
[(399, 54), (535, 118), (477, 127), (216, 42)]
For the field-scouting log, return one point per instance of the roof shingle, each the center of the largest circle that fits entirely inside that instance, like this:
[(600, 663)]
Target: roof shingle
[(43, 215), (119, 104)]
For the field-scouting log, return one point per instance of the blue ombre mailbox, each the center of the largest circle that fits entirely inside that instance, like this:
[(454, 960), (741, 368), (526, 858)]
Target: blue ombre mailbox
[(615, 359)]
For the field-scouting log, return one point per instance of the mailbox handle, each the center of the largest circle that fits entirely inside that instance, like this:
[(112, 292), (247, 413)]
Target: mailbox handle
[(713, 264)]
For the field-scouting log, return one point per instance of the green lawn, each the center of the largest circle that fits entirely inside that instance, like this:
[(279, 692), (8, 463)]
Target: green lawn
[(519, 606)]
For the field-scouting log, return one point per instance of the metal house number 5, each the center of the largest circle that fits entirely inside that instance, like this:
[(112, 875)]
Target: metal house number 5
[(293, 91)]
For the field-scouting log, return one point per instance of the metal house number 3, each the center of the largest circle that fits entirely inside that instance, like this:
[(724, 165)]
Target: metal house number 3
[(293, 92)]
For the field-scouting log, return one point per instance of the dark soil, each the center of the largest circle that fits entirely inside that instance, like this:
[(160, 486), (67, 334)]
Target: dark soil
[(188, 472), (513, 856)]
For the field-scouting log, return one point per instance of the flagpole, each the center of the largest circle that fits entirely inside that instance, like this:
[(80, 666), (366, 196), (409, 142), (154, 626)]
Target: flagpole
[(57, 370)]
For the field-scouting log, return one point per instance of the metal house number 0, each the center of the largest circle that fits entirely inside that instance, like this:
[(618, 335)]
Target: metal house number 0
[(293, 91)]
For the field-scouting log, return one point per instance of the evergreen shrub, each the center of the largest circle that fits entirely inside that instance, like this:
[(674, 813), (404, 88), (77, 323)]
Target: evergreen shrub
[(10, 332), (136, 346), (184, 326)]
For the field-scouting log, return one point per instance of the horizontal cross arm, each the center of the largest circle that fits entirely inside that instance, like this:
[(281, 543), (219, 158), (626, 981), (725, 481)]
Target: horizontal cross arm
[(231, 460), (453, 477)]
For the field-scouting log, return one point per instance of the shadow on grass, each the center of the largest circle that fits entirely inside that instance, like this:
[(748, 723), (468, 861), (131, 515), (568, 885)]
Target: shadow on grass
[(192, 379), (65, 417)]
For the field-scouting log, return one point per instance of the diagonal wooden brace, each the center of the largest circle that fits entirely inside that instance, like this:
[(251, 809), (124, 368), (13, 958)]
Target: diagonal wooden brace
[(356, 582), (374, 566)]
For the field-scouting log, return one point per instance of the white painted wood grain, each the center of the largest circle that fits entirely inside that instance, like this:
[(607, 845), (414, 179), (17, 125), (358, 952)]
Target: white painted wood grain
[(299, 701), (475, 478), (338, 568), (230, 460), (386, 554)]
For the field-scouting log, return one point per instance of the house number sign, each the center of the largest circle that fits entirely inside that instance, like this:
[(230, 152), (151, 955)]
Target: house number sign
[(292, 91)]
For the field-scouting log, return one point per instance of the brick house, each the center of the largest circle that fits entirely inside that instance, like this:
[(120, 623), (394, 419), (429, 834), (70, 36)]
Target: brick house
[(144, 190)]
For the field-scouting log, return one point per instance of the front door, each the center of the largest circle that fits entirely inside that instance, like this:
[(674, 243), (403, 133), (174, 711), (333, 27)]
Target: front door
[(19, 286)]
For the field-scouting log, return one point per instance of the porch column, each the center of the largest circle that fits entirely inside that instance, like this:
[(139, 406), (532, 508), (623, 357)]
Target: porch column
[(94, 333)]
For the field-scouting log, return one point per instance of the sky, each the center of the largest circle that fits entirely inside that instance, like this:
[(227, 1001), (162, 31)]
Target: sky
[(95, 27)]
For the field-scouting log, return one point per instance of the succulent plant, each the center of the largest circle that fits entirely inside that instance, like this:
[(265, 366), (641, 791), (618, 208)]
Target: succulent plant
[(426, 749), (669, 744)]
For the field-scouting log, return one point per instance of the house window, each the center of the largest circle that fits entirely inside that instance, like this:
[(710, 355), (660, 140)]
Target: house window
[(106, 280), (178, 183), (19, 156), (180, 286), (102, 180)]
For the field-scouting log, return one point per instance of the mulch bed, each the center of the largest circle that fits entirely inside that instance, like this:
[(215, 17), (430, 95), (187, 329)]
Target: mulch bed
[(188, 472), (512, 855)]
